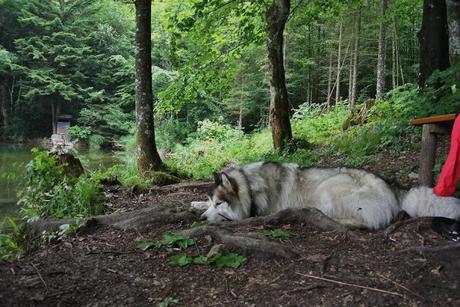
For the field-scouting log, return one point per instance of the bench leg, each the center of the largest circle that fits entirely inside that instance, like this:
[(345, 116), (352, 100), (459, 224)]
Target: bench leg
[(427, 155)]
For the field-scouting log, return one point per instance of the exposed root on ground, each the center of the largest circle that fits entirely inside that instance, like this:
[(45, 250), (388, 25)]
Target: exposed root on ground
[(242, 243)]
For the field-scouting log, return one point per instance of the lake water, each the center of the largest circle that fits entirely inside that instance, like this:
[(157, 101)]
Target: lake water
[(13, 159)]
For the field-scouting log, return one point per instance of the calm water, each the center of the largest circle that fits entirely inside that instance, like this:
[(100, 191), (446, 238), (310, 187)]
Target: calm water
[(13, 159)]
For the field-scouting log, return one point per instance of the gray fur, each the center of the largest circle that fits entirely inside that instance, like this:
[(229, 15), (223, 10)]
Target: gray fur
[(349, 196)]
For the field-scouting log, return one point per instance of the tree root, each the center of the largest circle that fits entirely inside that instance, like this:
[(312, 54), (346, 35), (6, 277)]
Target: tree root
[(243, 244), (142, 219), (310, 216)]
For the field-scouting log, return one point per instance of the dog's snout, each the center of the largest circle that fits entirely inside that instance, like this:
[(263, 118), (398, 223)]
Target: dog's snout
[(203, 217)]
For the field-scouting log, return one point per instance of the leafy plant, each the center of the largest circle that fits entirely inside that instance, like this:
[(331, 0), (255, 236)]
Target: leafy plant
[(198, 224), (232, 260), (145, 245), (168, 301), (278, 233), (172, 239), (49, 192), (180, 260), (9, 248)]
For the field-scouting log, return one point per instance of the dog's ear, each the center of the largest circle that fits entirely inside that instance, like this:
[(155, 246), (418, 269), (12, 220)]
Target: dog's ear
[(217, 178), (228, 182)]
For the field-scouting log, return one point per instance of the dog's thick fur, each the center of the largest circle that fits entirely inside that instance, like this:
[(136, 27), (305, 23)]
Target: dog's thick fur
[(350, 196)]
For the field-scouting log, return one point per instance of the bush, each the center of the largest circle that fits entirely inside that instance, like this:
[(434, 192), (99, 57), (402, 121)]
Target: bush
[(49, 192)]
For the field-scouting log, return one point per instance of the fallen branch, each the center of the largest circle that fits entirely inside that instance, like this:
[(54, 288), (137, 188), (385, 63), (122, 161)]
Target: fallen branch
[(350, 285), (401, 286)]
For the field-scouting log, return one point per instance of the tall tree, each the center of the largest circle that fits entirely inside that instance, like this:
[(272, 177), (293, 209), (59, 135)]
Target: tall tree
[(277, 15), (354, 81), (434, 39), (380, 88), (453, 20), (339, 61), (146, 151)]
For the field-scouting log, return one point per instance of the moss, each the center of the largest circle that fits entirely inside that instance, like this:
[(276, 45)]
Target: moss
[(161, 178)]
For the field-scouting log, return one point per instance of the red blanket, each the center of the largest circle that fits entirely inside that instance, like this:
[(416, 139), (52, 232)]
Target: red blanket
[(450, 174)]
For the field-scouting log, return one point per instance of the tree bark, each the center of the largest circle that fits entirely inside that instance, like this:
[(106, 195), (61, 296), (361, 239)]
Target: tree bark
[(453, 20), (146, 151), (380, 88), (339, 59), (4, 102), (329, 83), (354, 83), (277, 15), (434, 39)]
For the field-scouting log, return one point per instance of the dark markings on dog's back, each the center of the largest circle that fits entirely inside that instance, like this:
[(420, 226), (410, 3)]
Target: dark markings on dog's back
[(254, 211), (275, 174)]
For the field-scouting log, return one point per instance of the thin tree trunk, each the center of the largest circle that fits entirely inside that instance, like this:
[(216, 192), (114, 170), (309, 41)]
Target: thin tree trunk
[(146, 151), (240, 118), (3, 103), (277, 15), (329, 83), (339, 59), (434, 40), (53, 117), (380, 88), (354, 84), (453, 20), (394, 65)]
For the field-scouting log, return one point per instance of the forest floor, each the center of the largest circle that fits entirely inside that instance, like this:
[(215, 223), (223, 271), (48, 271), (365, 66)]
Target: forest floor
[(100, 265)]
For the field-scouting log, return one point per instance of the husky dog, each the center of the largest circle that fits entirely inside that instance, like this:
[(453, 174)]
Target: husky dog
[(349, 196)]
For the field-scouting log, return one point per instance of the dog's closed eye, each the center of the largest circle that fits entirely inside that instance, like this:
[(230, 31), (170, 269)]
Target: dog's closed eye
[(218, 204)]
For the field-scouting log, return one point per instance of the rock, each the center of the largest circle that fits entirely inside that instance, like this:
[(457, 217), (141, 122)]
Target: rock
[(215, 250)]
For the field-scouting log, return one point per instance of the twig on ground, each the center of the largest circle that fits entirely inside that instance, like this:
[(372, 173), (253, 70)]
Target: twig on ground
[(401, 286), (349, 284), (40, 276)]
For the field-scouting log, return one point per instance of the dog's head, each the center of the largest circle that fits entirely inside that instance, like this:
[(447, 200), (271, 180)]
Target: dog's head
[(224, 201)]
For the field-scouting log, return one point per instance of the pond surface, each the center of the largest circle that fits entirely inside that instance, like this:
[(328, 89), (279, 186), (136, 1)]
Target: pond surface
[(14, 158)]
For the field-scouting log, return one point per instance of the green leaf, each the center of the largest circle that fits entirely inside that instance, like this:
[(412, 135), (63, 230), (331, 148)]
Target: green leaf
[(278, 233), (145, 245), (168, 301), (198, 224), (172, 239), (180, 260), (232, 260), (200, 259)]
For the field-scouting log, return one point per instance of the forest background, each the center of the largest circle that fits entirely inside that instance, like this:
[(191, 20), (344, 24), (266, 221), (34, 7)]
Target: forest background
[(210, 78)]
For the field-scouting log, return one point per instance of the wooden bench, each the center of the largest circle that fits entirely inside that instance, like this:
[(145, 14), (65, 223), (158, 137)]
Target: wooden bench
[(432, 127)]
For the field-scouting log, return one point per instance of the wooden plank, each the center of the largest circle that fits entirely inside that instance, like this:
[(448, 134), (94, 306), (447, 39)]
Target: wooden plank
[(434, 119)]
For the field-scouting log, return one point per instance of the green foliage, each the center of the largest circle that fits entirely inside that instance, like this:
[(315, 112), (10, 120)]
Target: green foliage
[(49, 192), (199, 224), (145, 245), (278, 233), (168, 301), (232, 260), (9, 248), (79, 134), (180, 260), (172, 239)]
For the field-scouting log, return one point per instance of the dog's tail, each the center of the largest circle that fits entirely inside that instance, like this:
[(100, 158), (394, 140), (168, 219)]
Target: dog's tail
[(421, 201)]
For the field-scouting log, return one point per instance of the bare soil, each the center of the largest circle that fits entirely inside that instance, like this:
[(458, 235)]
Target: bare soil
[(100, 266)]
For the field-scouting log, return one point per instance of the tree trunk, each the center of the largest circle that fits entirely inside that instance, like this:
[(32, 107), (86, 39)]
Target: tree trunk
[(329, 83), (4, 101), (354, 83), (434, 39), (146, 151), (277, 15), (339, 59), (453, 20), (380, 88)]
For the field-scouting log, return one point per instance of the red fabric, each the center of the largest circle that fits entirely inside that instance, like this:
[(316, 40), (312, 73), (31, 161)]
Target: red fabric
[(450, 174)]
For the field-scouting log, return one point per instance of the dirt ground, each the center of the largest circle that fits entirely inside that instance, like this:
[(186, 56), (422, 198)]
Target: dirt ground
[(100, 265)]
